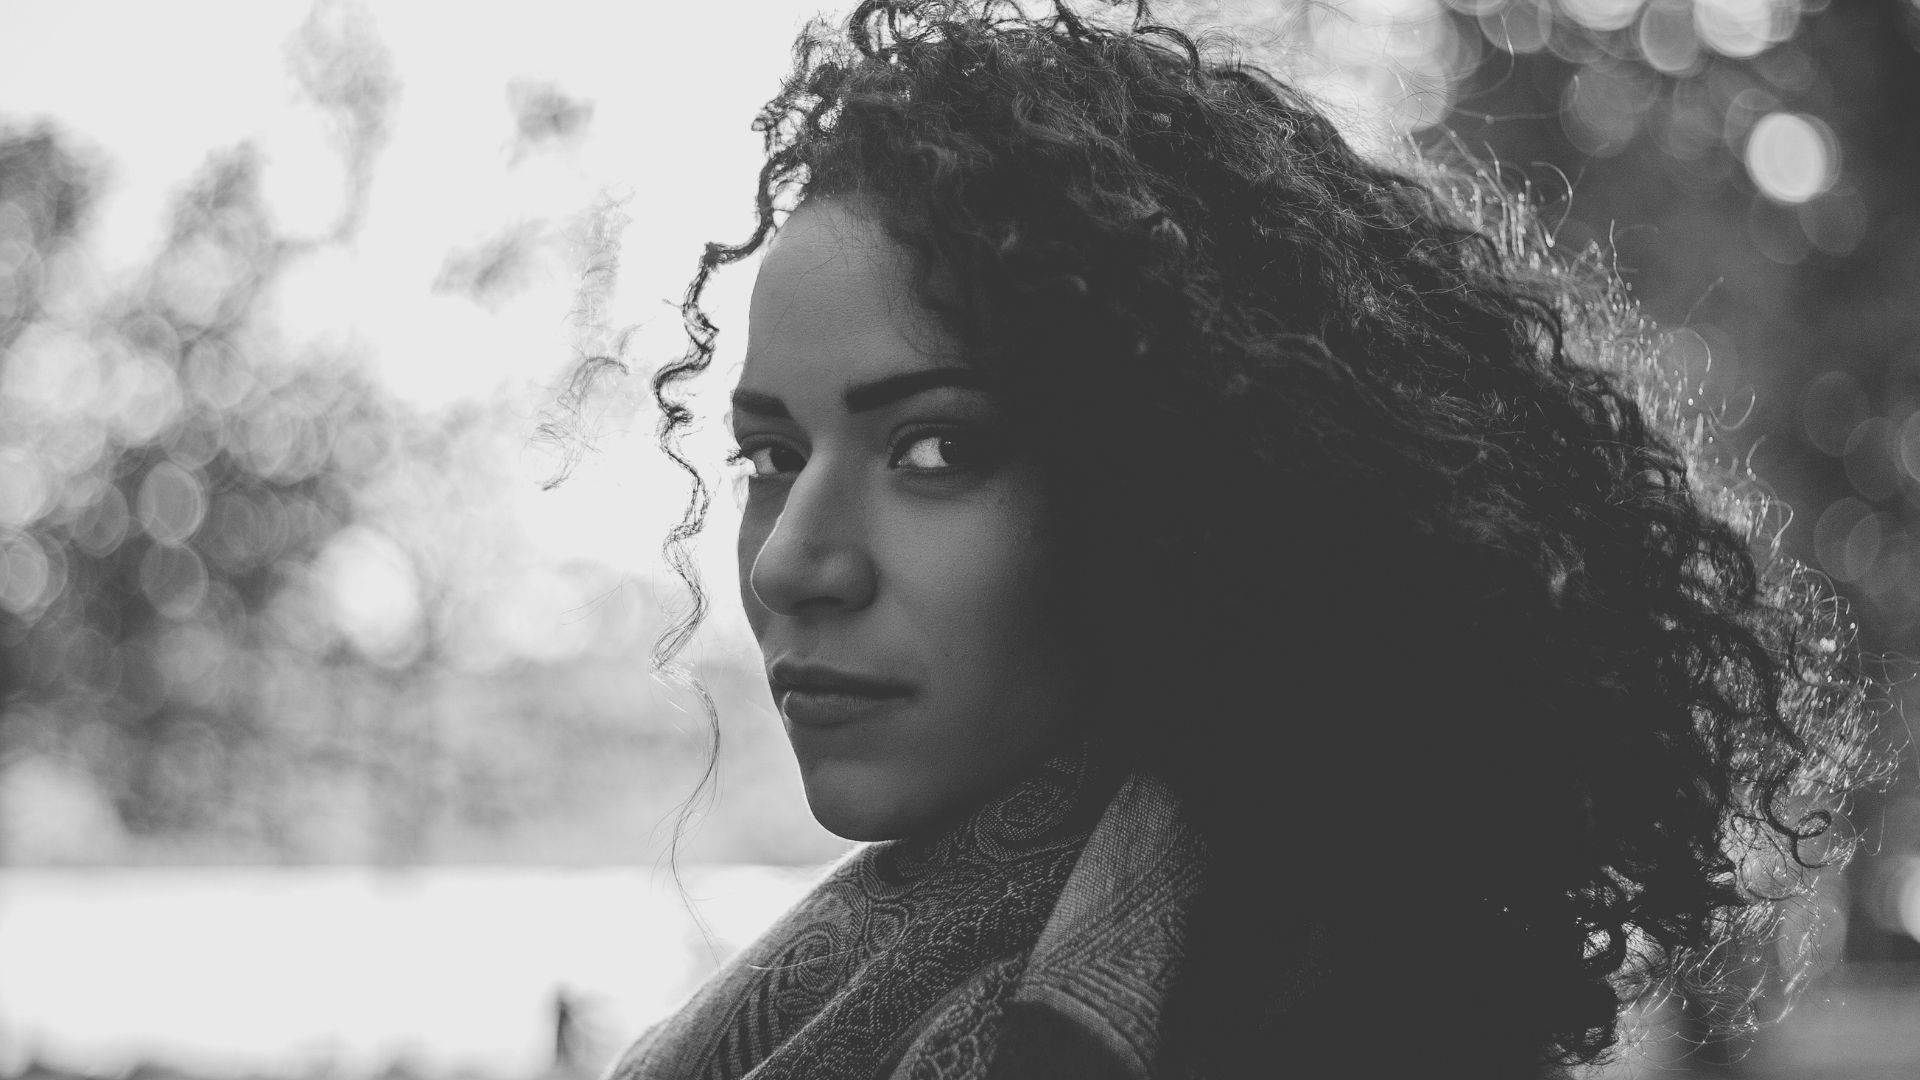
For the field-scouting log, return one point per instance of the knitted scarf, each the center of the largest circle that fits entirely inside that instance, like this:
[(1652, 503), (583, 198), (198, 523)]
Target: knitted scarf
[(1040, 937)]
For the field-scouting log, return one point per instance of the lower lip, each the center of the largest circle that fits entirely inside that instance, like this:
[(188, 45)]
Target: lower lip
[(817, 710)]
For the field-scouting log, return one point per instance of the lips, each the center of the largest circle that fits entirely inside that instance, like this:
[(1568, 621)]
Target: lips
[(815, 695)]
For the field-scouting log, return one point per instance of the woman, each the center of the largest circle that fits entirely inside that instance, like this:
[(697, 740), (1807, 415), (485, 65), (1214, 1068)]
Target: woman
[(1264, 613)]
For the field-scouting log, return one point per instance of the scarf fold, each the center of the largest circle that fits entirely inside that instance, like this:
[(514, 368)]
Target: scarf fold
[(1039, 937)]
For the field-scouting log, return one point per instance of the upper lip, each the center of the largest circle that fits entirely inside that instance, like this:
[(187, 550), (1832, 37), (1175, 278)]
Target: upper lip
[(814, 678)]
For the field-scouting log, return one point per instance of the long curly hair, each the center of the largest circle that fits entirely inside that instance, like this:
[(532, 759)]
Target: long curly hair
[(1393, 549)]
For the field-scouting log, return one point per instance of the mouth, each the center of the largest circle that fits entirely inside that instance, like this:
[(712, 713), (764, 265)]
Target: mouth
[(813, 695)]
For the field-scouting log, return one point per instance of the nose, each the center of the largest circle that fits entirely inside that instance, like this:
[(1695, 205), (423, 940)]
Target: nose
[(816, 560)]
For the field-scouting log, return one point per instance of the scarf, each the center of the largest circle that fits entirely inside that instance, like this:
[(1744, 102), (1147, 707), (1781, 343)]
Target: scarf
[(1040, 937)]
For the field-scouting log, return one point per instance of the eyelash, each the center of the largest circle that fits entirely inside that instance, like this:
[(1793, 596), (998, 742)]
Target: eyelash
[(743, 454)]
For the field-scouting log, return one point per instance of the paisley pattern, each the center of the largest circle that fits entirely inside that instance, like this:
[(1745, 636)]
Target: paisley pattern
[(1062, 902)]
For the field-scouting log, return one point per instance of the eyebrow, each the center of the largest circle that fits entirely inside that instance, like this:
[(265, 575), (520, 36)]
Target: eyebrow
[(873, 395)]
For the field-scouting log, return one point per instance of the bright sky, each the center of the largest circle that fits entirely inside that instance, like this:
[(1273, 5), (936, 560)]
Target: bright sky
[(157, 87), (153, 89)]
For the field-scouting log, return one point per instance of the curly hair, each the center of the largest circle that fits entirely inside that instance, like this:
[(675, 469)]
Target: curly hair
[(1393, 550)]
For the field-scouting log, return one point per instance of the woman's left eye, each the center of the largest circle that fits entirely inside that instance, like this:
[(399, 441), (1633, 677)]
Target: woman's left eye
[(941, 451)]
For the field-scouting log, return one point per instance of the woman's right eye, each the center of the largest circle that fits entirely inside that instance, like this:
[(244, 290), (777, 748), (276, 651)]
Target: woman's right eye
[(769, 461)]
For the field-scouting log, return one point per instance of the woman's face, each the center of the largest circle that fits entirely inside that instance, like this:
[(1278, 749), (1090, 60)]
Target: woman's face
[(892, 552)]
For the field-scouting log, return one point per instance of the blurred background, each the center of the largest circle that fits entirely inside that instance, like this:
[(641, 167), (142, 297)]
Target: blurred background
[(327, 746)]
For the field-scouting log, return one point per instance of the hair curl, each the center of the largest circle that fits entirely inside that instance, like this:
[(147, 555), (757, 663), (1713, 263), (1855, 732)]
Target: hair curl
[(1394, 551)]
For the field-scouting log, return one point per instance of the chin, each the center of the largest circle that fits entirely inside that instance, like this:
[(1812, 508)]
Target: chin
[(849, 817), (861, 829), (863, 808)]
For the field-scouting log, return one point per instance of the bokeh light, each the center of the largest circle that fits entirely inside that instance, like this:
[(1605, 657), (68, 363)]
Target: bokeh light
[(1742, 28), (1792, 157), (1667, 38)]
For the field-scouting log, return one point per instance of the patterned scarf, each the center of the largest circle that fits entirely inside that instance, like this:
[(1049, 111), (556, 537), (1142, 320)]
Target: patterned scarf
[(1040, 937)]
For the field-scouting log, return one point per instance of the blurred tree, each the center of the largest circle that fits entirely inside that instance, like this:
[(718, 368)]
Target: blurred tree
[(254, 606), (339, 61), (173, 471), (46, 190), (176, 468)]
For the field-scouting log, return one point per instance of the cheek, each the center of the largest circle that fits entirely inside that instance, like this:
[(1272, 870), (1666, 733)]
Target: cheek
[(983, 585), (991, 584)]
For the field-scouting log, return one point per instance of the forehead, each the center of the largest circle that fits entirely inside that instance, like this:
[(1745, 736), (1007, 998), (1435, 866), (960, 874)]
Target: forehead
[(834, 301)]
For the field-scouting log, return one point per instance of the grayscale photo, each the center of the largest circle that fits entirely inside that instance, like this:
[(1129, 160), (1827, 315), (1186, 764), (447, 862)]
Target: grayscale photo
[(959, 540)]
